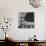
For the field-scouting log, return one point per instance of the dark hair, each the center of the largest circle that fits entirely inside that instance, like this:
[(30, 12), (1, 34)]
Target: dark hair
[(34, 35)]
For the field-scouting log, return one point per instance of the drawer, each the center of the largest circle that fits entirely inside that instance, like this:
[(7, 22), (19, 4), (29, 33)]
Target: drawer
[(25, 44), (21, 44), (42, 44)]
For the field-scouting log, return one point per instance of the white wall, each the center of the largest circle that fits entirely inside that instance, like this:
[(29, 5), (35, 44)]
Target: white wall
[(11, 8)]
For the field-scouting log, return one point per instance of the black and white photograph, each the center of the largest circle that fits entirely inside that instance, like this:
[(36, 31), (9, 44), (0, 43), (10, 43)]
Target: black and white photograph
[(26, 20)]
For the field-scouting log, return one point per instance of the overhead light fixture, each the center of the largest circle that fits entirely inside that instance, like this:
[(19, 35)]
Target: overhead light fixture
[(36, 3)]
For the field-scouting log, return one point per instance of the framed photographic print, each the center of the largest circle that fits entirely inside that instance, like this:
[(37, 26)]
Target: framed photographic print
[(26, 20)]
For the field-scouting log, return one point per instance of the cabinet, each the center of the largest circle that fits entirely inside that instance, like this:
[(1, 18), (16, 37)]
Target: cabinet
[(37, 44), (42, 44), (22, 43), (2, 43)]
